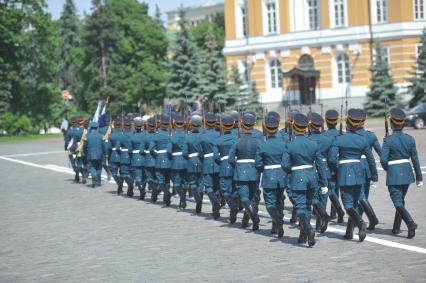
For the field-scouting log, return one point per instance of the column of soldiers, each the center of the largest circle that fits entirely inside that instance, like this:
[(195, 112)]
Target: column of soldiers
[(229, 160)]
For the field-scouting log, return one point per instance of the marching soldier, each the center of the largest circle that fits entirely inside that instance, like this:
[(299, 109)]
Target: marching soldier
[(331, 119), (83, 151), (221, 154), (95, 153), (71, 146), (158, 147), (149, 159), (365, 205), (137, 157), (345, 158), (77, 137), (124, 148), (300, 160), (210, 168), (114, 161), (242, 155), (398, 149), (106, 131), (178, 164), (191, 153), (268, 160), (324, 143)]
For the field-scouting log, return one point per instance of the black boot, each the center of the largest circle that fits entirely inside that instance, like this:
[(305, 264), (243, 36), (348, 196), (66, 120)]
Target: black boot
[(183, 198), (274, 228), (411, 225), (119, 182), (322, 213), (277, 220), (154, 192), (77, 177), (142, 192), (318, 219), (245, 220), (129, 187), (397, 224), (252, 212), (233, 216), (83, 177), (357, 219), (93, 183), (198, 207), (215, 205), (302, 237), (335, 204), (166, 194), (293, 218), (372, 218), (307, 229), (333, 211), (349, 230)]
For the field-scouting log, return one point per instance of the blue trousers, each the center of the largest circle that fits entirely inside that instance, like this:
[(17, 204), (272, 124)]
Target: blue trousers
[(350, 196), (365, 189), (300, 202), (96, 170), (114, 167), (150, 174), (162, 175), (137, 172), (178, 177), (246, 191), (208, 182), (397, 194), (125, 170), (274, 198)]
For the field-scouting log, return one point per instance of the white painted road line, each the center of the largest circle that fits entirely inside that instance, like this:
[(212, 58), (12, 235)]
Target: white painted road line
[(34, 153), (264, 214)]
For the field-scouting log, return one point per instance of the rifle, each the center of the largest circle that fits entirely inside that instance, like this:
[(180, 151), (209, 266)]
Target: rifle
[(386, 118)]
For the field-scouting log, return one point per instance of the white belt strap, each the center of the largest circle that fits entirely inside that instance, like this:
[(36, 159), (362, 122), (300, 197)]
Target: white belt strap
[(363, 156), (245, 161), (161, 151), (146, 151), (301, 167), (349, 161), (275, 166), (136, 151), (224, 157), (195, 154), (177, 153), (399, 161), (114, 148), (208, 155), (124, 149), (324, 160)]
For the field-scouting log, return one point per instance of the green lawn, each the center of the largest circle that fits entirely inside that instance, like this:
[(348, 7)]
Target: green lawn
[(7, 139)]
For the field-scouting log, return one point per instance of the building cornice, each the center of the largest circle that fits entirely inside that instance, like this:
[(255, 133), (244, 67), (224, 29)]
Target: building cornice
[(326, 37)]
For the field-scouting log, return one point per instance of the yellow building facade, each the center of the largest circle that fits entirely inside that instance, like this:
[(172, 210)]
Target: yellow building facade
[(316, 51)]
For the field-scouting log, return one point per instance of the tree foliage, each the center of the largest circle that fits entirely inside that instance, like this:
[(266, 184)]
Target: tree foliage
[(216, 26), (418, 80), (183, 67), (382, 86), (124, 57)]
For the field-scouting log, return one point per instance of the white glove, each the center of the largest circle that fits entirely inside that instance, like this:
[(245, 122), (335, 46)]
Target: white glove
[(419, 184), (324, 190), (373, 185)]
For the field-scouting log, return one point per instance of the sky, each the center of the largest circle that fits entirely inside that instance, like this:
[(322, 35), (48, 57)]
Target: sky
[(55, 6)]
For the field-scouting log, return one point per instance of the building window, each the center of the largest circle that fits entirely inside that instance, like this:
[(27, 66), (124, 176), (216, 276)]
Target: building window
[(276, 73), (381, 11), (339, 13), (385, 54), (313, 10), (244, 19), (419, 9), (271, 14), (343, 68), (244, 71)]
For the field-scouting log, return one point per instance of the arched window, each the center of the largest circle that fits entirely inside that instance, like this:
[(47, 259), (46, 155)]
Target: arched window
[(343, 68), (306, 62), (276, 73)]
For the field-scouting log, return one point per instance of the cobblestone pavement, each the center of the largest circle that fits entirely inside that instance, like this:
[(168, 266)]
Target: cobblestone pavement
[(52, 230)]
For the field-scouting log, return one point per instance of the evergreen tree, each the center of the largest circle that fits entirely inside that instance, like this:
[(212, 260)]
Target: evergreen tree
[(217, 25), (183, 68), (382, 86), (69, 32), (418, 81), (213, 75), (254, 104), (124, 57), (158, 19)]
